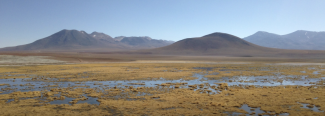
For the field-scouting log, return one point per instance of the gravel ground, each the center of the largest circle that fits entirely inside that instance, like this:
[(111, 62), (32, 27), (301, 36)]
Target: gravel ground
[(10, 59)]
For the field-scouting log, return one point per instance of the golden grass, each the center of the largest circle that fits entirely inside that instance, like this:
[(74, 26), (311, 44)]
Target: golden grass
[(163, 99), (138, 71), (102, 72), (282, 99)]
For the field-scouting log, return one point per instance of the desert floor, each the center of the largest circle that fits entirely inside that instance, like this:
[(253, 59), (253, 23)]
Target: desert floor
[(142, 84)]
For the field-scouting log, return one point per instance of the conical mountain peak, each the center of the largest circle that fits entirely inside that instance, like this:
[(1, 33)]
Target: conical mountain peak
[(215, 43), (218, 34)]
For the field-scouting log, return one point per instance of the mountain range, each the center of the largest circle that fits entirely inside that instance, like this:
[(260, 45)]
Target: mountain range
[(302, 40), (74, 40), (221, 44)]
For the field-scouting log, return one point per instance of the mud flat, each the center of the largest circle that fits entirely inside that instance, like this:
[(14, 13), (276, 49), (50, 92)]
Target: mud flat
[(162, 89)]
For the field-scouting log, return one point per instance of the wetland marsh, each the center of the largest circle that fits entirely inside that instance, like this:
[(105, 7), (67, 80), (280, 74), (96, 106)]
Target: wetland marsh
[(162, 89)]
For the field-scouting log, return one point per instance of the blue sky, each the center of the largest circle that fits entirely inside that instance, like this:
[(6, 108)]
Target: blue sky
[(24, 21)]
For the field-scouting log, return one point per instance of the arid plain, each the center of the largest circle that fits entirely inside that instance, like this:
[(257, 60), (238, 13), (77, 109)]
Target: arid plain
[(162, 58), (147, 84), (216, 74)]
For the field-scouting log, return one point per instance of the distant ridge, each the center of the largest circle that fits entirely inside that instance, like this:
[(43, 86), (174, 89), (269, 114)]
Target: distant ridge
[(74, 40), (301, 40), (145, 42)]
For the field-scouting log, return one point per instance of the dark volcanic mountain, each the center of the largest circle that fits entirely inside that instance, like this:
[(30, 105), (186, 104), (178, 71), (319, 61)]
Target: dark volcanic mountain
[(304, 40), (214, 44), (74, 40)]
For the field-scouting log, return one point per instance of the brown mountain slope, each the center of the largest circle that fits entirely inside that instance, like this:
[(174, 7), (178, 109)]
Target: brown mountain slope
[(223, 44), (212, 44)]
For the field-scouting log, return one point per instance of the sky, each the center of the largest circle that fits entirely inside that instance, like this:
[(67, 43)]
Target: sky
[(25, 21)]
